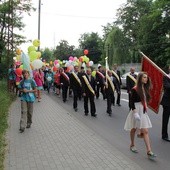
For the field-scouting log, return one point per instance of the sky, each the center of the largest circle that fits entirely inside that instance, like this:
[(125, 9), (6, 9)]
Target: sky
[(68, 20)]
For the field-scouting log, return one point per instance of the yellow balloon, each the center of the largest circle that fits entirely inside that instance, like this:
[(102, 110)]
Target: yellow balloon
[(18, 58), (36, 42), (31, 48), (93, 73), (21, 66), (33, 55), (38, 54), (18, 51)]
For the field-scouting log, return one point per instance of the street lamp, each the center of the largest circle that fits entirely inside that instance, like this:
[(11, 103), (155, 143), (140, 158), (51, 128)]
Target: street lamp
[(39, 18)]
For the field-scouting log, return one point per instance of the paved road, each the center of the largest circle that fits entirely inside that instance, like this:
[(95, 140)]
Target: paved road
[(111, 129), (58, 140)]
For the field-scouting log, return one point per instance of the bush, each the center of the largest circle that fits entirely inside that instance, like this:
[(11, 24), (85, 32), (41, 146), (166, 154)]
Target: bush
[(5, 101)]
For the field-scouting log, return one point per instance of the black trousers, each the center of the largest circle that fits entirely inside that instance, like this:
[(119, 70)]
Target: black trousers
[(64, 92), (92, 104), (75, 97), (110, 98), (165, 120), (100, 87)]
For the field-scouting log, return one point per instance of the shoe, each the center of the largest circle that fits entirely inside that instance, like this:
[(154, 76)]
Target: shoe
[(28, 126), (166, 139), (75, 109), (119, 105), (21, 130), (86, 114), (94, 115), (133, 149), (151, 155)]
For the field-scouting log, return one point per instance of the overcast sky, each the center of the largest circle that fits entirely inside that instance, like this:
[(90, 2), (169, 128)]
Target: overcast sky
[(68, 19)]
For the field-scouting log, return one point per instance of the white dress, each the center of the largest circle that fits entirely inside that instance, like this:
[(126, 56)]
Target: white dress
[(144, 119)]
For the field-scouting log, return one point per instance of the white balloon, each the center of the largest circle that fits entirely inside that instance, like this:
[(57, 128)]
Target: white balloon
[(37, 64), (49, 78)]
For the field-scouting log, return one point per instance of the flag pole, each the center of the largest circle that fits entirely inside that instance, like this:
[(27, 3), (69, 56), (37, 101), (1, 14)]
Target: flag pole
[(153, 64)]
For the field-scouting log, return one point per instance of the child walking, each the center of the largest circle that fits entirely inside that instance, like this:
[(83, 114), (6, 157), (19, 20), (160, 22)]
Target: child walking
[(28, 87)]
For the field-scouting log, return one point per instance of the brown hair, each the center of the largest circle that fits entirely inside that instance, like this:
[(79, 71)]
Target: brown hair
[(25, 71), (146, 86)]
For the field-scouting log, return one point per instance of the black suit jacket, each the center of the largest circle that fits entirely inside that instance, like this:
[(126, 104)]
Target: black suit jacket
[(74, 84), (85, 88), (63, 80), (130, 83), (166, 96)]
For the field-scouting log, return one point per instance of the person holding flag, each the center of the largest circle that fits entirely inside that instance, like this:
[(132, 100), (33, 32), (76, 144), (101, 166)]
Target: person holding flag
[(110, 87), (116, 74), (166, 106)]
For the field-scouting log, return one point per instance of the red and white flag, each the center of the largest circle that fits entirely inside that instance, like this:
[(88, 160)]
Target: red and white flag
[(156, 75)]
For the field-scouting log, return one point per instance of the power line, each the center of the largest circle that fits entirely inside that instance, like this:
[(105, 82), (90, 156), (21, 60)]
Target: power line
[(78, 16)]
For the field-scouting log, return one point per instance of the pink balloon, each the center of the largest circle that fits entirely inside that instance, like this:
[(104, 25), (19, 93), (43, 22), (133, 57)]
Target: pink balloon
[(55, 62), (71, 58)]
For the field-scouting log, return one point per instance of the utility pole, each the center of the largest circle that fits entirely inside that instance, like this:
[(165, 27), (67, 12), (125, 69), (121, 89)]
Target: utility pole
[(39, 19)]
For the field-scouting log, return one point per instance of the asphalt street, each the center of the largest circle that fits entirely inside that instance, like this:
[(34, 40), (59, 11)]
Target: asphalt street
[(111, 129)]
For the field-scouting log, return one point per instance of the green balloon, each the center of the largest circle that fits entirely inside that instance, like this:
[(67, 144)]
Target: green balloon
[(31, 48), (33, 55)]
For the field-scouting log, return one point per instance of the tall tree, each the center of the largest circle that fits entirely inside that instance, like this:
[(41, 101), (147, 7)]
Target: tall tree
[(94, 43), (116, 46), (129, 17), (64, 50)]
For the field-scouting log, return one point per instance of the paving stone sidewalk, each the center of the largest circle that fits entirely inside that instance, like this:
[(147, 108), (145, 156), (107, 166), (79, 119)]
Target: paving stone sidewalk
[(58, 141)]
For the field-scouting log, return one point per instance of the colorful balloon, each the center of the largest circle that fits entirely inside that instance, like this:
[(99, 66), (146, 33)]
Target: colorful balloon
[(93, 73), (18, 71), (33, 55), (36, 42), (86, 52), (37, 64), (18, 51), (31, 48)]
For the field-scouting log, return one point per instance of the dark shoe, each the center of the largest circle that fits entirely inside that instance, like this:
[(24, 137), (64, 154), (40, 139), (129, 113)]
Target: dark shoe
[(110, 114), (64, 101), (118, 104), (21, 130), (86, 114), (28, 126), (166, 139), (75, 109), (94, 115)]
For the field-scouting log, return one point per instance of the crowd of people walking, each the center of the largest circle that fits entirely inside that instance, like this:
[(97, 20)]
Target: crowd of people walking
[(81, 83)]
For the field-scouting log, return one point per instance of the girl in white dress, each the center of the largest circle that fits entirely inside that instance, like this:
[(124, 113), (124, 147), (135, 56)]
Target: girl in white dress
[(138, 119)]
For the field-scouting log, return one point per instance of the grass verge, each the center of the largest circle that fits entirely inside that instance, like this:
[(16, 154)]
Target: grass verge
[(6, 99)]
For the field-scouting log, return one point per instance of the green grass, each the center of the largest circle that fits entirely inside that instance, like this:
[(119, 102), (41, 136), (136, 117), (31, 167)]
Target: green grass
[(5, 101)]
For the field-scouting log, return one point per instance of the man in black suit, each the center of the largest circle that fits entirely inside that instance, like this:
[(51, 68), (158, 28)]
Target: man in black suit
[(100, 79), (166, 106), (65, 82), (75, 85), (130, 83), (116, 74), (110, 87), (88, 89)]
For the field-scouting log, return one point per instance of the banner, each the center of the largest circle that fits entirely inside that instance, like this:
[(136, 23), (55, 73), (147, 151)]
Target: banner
[(156, 76)]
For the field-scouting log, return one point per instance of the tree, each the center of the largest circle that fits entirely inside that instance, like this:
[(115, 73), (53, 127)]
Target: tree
[(94, 44), (129, 17), (11, 14), (116, 47), (64, 50)]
